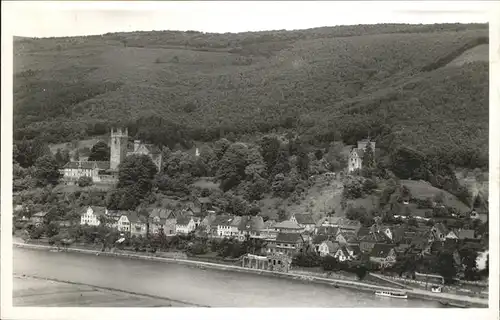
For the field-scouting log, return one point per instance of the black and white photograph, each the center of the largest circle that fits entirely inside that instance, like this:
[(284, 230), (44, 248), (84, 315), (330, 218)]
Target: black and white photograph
[(249, 155)]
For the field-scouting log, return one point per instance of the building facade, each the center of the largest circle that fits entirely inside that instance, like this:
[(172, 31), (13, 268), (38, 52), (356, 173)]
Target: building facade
[(356, 155)]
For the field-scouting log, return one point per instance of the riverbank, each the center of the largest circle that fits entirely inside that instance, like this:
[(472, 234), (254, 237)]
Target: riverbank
[(33, 291), (358, 285)]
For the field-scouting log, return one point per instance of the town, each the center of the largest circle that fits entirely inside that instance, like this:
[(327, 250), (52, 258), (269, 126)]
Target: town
[(424, 240), (335, 166)]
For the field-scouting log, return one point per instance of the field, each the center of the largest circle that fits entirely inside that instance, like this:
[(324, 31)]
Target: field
[(398, 82), (423, 190)]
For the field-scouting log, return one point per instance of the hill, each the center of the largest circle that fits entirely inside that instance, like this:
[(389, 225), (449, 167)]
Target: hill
[(394, 82)]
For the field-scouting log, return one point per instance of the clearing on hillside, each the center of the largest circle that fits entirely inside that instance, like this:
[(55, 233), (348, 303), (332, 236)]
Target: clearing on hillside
[(478, 53), (423, 190)]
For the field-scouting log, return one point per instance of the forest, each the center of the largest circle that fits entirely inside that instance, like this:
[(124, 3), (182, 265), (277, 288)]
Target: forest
[(391, 82)]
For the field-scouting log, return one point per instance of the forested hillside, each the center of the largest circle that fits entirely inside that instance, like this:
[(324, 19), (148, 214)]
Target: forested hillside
[(393, 82)]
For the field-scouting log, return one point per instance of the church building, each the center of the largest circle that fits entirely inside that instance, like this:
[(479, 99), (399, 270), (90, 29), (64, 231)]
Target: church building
[(103, 171)]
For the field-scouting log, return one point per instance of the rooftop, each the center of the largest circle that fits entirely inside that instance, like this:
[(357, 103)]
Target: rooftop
[(304, 218), (287, 225), (381, 250), (101, 165), (288, 237)]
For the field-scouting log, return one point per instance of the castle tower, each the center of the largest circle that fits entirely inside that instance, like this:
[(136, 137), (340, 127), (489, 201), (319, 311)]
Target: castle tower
[(119, 140)]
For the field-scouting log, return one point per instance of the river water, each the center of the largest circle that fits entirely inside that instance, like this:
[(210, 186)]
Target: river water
[(212, 288)]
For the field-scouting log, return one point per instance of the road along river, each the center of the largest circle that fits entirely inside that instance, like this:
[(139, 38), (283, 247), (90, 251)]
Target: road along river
[(191, 285)]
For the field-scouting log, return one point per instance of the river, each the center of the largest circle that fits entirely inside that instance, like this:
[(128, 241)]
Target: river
[(212, 288)]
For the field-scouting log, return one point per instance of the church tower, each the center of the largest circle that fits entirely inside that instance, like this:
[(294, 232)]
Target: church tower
[(119, 141)]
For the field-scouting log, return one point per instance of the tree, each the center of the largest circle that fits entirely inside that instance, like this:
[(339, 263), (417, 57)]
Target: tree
[(444, 265), (282, 164), (47, 171), (256, 167), (136, 174), (62, 157), (76, 155), (220, 147), (469, 262), (368, 160), (99, 152), (353, 187), (232, 165), (303, 163), (209, 159), (270, 147), (180, 163), (84, 181)]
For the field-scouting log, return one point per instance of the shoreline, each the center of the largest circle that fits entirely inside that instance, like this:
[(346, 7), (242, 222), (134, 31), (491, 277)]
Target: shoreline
[(470, 302), (163, 302)]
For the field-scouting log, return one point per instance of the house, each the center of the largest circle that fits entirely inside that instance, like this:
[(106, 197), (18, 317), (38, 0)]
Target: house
[(327, 248), (185, 225), (355, 161), (39, 218), (367, 244), (203, 203), (354, 251), (112, 218), (138, 224), (466, 235), (157, 218), (207, 223), (288, 227), (341, 254), (398, 234), (345, 238), (163, 219), (123, 223), (304, 220), (74, 170), (383, 254), (250, 227), (439, 231), (386, 231), (227, 226), (286, 243), (401, 248), (474, 215), (451, 235), (93, 215), (342, 223), (319, 239), (419, 246), (363, 232)]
